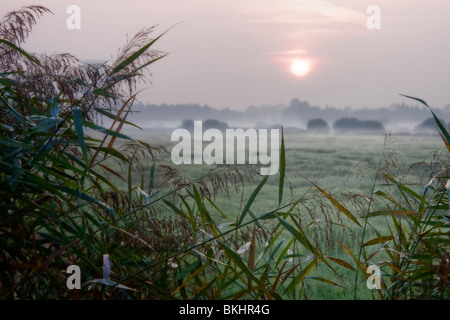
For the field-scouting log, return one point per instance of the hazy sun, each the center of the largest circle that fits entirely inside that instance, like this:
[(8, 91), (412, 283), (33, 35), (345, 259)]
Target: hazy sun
[(300, 68)]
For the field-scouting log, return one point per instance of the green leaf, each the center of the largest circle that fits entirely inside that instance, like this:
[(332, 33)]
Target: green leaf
[(282, 168), (325, 280), (78, 123), (302, 274), (176, 210), (13, 143), (390, 213), (106, 131), (342, 263), (129, 60), (115, 117), (206, 217), (300, 237), (152, 178), (104, 93), (250, 201), (83, 196), (21, 51), (357, 262), (338, 205), (283, 253), (438, 122), (273, 215), (377, 241), (81, 82), (275, 250), (46, 124), (14, 112), (232, 255), (148, 63), (113, 152)]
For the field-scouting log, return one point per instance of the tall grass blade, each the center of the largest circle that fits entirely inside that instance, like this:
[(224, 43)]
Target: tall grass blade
[(441, 126), (129, 60), (378, 241), (78, 123), (338, 205), (300, 237), (21, 51), (282, 169), (251, 200)]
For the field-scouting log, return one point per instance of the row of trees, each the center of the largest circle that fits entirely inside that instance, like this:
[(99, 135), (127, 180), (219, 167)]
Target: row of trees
[(353, 124), (429, 125), (345, 125), (207, 124), (319, 125), (316, 125)]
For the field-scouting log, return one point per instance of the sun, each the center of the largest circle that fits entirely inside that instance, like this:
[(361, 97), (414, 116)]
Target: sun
[(300, 68)]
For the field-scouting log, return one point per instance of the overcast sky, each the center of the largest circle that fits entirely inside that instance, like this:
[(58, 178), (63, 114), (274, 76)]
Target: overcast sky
[(238, 53)]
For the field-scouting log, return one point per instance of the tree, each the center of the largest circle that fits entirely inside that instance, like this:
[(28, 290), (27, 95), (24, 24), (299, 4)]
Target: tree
[(428, 125), (214, 124), (188, 124), (318, 125), (356, 125)]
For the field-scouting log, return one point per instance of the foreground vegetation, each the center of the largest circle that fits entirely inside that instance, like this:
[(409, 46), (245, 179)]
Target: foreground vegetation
[(76, 193)]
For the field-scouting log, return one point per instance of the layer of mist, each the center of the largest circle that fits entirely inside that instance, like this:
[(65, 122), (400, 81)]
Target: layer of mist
[(397, 118)]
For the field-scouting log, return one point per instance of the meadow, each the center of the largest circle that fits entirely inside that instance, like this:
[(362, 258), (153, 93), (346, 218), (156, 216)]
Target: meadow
[(339, 163), (349, 167)]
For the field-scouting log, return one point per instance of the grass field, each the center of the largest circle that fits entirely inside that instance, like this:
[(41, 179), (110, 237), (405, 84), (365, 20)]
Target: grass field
[(347, 167), (342, 164)]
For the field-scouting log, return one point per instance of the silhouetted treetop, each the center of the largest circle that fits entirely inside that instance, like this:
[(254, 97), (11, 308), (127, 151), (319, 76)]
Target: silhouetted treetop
[(318, 125), (354, 124), (207, 124)]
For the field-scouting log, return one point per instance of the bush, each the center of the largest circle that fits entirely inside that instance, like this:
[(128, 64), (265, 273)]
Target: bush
[(207, 124), (318, 125), (428, 125), (188, 124), (214, 124), (356, 125), (59, 204)]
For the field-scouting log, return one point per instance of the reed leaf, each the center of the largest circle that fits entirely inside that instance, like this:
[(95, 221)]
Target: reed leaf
[(251, 200), (282, 168)]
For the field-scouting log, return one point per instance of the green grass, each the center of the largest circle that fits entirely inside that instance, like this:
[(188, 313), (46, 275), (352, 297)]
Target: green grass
[(343, 165)]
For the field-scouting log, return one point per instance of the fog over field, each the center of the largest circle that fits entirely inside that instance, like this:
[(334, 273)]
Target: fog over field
[(396, 118)]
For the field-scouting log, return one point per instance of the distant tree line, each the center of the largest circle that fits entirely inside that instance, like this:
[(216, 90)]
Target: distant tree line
[(295, 114), (345, 125), (354, 124), (318, 125), (188, 124)]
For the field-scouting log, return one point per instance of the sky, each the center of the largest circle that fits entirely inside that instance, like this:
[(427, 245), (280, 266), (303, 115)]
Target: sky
[(238, 53)]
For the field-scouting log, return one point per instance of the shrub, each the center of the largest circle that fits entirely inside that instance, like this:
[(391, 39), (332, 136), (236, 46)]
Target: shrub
[(207, 124), (214, 124), (428, 125), (59, 205), (356, 125), (188, 124), (318, 125)]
